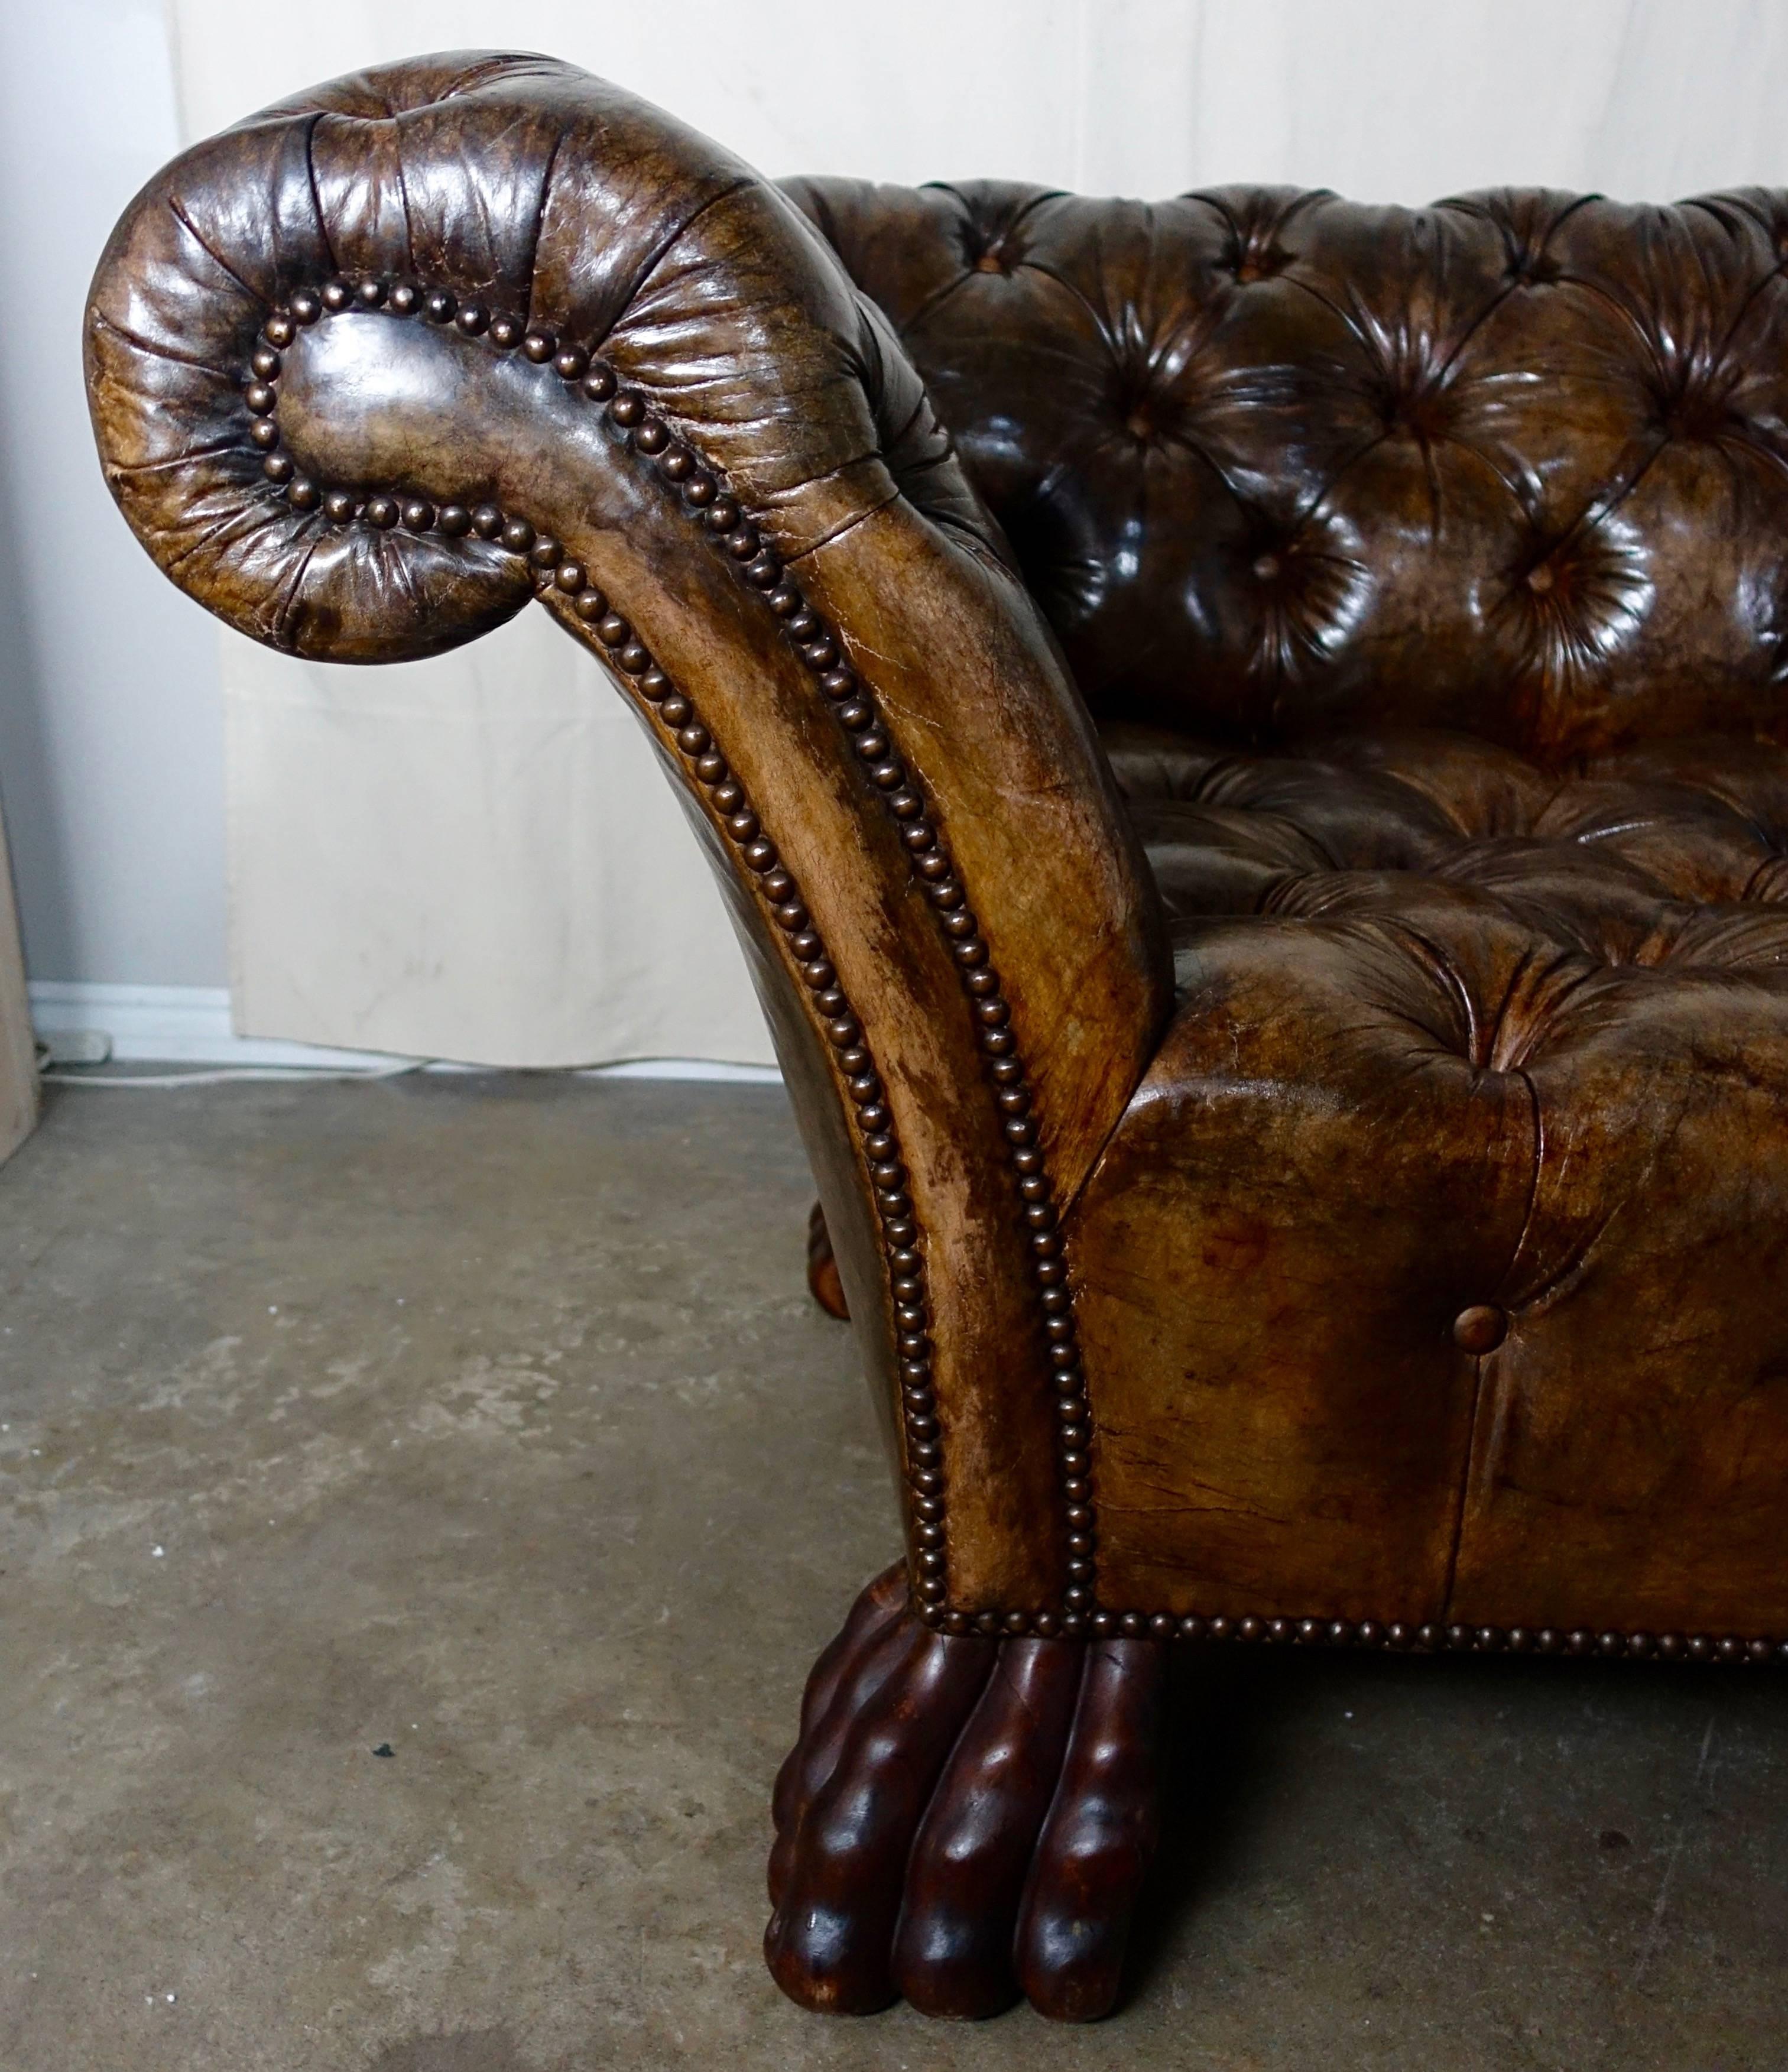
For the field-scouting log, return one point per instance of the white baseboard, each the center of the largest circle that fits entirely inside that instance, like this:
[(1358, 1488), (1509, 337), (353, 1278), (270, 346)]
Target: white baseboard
[(186, 1025), (189, 1025)]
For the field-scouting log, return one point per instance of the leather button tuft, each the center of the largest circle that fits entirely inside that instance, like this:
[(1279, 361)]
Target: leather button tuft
[(1481, 1329), (1540, 580), (1266, 568), (991, 262)]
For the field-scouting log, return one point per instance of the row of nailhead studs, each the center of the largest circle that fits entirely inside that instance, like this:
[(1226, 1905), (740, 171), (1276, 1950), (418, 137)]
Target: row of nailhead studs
[(719, 515), (853, 706), (1395, 1635), (553, 573), (1460, 1639)]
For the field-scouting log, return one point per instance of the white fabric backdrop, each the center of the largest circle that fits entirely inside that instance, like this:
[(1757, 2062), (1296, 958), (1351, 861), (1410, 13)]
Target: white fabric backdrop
[(476, 857)]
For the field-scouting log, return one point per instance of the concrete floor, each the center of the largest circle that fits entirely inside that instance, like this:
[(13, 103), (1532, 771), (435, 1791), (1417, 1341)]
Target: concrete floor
[(486, 1419)]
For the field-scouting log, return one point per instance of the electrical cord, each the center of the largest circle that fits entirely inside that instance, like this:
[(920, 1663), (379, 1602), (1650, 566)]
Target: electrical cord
[(224, 1074)]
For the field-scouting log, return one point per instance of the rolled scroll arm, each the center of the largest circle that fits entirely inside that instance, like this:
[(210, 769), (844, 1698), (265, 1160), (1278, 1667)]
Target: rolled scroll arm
[(376, 368)]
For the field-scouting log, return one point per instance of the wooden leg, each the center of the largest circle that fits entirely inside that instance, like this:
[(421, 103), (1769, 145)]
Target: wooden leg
[(964, 1821), (822, 1269)]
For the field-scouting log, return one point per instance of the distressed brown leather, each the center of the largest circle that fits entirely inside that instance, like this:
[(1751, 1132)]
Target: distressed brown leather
[(1426, 572), (1454, 1033), (1269, 460)]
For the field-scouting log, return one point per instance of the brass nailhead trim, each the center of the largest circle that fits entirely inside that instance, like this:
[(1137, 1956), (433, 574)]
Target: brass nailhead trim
[(711, 505), (820, 646), (1396, 1636), (677, 716)]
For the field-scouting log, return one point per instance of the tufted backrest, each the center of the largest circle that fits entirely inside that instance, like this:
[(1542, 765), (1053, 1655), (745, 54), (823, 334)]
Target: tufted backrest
[(1272, 462)]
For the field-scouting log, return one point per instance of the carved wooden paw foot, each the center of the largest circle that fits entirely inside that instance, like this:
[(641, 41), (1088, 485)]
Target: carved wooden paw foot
[(963, 1820)]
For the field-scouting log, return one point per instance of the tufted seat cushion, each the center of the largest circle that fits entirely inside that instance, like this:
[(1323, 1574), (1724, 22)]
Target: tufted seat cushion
[(1446, 1237), (1617, 860)]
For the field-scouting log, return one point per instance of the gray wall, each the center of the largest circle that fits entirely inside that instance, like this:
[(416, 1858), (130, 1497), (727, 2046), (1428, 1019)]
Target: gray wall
[(111, 729)]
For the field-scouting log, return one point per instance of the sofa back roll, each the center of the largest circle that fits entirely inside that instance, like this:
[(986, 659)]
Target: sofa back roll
[(1274, 462)]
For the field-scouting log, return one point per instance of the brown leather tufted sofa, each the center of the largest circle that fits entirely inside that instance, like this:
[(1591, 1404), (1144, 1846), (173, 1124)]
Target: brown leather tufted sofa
[(1246, 741)]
